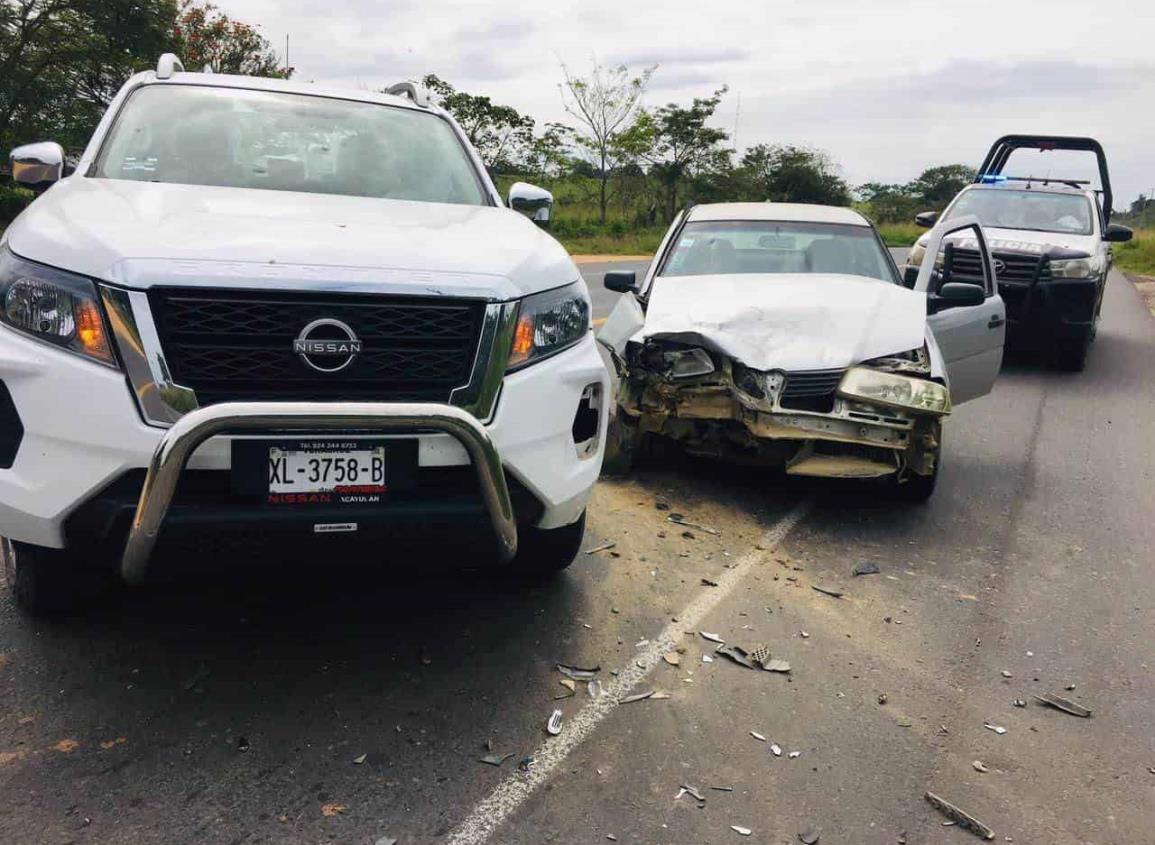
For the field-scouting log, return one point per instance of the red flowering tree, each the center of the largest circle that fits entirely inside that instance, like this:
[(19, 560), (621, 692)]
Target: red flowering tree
[(204, 35)]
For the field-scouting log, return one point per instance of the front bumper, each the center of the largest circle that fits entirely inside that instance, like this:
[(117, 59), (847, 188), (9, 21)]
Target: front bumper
[(85, 443)]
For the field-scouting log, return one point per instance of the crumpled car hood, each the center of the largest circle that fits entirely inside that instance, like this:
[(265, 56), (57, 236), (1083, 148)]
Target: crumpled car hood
[(786, 321)]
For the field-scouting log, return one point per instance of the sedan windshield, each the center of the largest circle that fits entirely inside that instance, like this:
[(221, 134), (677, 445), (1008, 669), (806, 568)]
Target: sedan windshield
[(760, 246), (1033, 211), (236, 138)]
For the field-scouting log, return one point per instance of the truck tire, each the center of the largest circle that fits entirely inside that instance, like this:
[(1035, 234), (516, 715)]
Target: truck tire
[(1071, 355), (622, 442), (47, 582), (543, 552)]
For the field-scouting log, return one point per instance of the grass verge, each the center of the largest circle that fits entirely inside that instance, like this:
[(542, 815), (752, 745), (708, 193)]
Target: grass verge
[(644, 242), (1138, 254), (899, 234)]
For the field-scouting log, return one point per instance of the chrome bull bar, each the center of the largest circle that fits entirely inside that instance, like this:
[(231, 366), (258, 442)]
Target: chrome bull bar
[(197, 426)]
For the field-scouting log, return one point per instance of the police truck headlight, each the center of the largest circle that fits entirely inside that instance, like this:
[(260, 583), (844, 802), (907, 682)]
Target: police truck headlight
[(53, 306), (548, 323), (1075, 268), (881, 388)]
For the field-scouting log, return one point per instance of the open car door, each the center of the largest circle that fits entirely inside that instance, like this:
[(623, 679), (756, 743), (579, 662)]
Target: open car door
[(969, 329)]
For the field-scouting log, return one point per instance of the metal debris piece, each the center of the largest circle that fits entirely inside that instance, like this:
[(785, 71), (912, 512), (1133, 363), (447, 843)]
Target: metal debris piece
[(1064, 704), (611, 837), (594, 688), (359, 759), (741, 831), (604, 547), (678, 519), (979, 767), (827, 591), (808, 837), (638, 696), (553, 726), (804, 635), (672, 657), (963, 819), (498, 759), (692, 792), (707, 658), (737, 654), (777, 665), (570, 685), (794, 755), (999, 729), (578, 673), (776, 749), (1007, 674), (731, 789), (759, 653), (1018, 702), (866, 568), (757, 736), (714, 638), (706, 582)]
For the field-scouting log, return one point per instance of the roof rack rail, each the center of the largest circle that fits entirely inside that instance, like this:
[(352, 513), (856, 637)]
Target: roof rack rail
[(168, 64), (998, 178), (1001, 150), (411, 90)]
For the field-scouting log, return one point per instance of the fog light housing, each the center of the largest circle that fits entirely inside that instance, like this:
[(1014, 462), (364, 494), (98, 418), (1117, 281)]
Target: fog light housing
[(587, 421)]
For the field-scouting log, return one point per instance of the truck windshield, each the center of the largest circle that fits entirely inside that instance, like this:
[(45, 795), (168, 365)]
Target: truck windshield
[(1033, 211), (760, 246), (236, 138)]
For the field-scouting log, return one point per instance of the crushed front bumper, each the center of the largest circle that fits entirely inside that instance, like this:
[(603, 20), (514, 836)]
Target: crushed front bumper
[(194, 428)]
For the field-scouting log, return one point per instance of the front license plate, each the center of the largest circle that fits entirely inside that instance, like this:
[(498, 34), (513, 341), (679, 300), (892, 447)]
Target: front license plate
[(345, 471)]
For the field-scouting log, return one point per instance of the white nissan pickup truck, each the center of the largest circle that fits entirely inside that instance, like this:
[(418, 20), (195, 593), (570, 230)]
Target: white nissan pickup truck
[(260, 305)]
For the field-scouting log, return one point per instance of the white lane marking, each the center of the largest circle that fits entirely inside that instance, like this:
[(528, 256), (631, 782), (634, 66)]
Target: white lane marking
[(512, 792)]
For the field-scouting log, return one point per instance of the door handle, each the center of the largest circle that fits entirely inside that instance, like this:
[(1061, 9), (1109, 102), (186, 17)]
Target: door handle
[(995, 322)]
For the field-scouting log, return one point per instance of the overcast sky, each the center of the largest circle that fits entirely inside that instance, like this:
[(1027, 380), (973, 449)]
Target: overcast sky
[(887, 87)]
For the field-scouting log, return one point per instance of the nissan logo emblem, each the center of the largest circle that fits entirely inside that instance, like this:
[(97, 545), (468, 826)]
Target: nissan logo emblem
[(327, 345)]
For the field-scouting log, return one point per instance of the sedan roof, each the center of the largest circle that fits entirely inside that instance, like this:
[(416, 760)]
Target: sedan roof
[(795, 212)]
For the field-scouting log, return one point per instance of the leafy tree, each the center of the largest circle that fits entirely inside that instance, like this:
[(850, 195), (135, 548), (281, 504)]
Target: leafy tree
[(937, 186), (678, 145), (888, 203), (547, 155), (790, 173), (204, 35), (603, 103), (497, 132)]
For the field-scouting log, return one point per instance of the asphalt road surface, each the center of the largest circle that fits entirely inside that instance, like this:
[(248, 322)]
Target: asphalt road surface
[(326, 702)]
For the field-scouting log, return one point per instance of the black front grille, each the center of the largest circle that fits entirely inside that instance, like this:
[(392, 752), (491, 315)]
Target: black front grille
[(811, 390), (238, 345), (1015, 267)]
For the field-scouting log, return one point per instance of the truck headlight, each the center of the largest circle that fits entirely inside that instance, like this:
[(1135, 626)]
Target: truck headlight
[(916, 254), (906, 392), (1075, 268), (549, 322), (53, 306)]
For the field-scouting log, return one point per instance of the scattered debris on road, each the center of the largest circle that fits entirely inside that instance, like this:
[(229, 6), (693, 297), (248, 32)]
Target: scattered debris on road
[(553, 726), (979, 767), (638, 696), (386, 840), (672, 657), (794, 755), (963, 819), (570, 685), (827, 591), (604, 547), (692, 792), (808, 837), (757, 736), (1007, 674), (242, 744), (678, 519), (731, 789), (776, 749), (804, 635), (714, 638), (706, 582), (332, 809), (594, 689), (741, 831), (577, 673), (999, 729), (866, 568), (1064, 704), (525, 764), (359, 759), (1018, 702), (707, 658), (662, 506), (497, 759), (737, 654), (882, 698)]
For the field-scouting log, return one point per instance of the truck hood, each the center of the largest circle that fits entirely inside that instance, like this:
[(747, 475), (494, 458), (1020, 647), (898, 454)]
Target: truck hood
[(1035, 243), (143, 233), (788, 321)]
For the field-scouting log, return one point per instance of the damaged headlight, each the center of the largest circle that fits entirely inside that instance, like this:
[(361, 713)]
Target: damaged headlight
[(916, 254), (897, 391), (549, 322), (684, 363), (1075, 268)]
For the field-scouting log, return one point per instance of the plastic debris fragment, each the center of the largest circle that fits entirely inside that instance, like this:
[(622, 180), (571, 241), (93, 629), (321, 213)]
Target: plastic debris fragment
[(1064, 704), (999, 729), (553, 726), (578, 673), (957, 816), (741, 831)]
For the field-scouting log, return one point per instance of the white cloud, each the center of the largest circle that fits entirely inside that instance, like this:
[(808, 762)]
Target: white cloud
[(887, 87)]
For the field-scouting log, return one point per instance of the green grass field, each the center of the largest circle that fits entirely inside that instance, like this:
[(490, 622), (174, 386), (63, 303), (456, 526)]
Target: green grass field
[(1138, 254)]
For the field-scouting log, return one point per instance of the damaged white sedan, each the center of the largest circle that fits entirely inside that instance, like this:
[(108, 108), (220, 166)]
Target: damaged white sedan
[(782, 335)]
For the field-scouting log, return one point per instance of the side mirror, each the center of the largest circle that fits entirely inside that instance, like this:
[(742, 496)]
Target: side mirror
[(957, 295), (1117, 234), (926, 219), (532, 201), (37, 166), (622, 281)]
